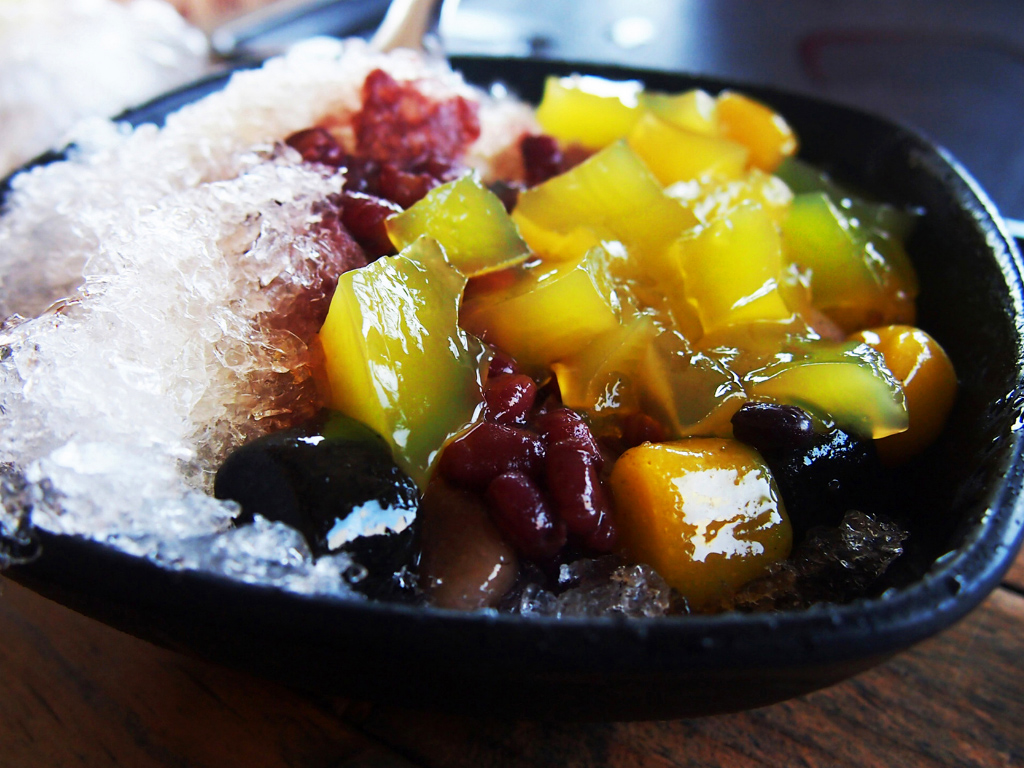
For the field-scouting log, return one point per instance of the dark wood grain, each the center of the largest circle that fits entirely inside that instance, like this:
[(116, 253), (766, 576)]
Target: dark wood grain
[(956, 700), (1015, 577), (74, 692)]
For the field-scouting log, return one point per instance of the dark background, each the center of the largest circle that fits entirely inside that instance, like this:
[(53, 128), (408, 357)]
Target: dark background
[(951, 69)]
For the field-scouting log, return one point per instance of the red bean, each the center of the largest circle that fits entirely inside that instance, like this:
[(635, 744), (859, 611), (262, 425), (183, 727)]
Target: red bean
[(575, 488), (501, 363), (437, 168), (362, 175), (364, 217), (401, 125), (507, 192), (521, 513), (542, 158), (604, 538), (317, 145), (563, 425), (639, 428), (488, 450), (404, 187), (510, 398)]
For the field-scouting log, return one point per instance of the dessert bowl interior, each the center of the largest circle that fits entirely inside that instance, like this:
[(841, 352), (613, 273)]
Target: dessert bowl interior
[(960, 502)]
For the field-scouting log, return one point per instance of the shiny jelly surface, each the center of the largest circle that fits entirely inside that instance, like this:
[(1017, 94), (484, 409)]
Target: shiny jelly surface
[(704, 512)]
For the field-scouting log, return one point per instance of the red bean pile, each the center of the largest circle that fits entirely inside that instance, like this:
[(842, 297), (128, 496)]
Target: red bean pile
[(406, 144), (372, 190), (538, 467)]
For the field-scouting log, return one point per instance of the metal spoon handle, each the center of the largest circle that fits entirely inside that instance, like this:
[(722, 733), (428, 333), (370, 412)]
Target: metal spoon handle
[(406, 23), (272, 29)]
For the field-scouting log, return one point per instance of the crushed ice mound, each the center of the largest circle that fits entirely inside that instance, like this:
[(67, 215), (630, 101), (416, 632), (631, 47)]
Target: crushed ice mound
[(831, 565), (600, 587), (140, 280)]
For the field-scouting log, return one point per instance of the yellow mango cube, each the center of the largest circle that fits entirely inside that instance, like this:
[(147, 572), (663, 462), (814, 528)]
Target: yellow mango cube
[(926, 375), (704, 513)]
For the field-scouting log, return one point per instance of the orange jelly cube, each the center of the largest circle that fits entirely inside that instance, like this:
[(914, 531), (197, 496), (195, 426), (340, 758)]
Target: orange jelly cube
[(704, 513), (929, 384), (761, 129)]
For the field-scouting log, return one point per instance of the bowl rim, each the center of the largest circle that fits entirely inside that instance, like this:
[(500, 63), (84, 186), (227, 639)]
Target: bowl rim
[(952, 586)]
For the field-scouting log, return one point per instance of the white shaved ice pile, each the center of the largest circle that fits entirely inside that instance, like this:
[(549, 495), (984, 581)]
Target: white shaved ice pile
[(139, 278)]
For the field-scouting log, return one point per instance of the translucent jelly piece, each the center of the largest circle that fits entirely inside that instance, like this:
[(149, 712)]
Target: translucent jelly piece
[(614, 195), (713, 199), (605, 375), (819, 237), (802, 177), (848, 383), (470, 222), (546, 313), (690, 393), (732, 269), (694, 111), (859, 281), (675, 155), (396, 358), (758, 127), (705, 513), (591, 111)]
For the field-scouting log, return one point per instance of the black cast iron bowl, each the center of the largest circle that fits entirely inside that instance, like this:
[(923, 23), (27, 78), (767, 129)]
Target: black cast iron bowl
[(961, 503)]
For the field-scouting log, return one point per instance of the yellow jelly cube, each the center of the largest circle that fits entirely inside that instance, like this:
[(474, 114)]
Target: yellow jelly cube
[(605, 376), (715, 199), (612, 194), (548, 312), (571, 246), (857, 281), (395, 356), (704, 513), (694, 111), (590, 111), (732, 270), (757, 127), (847, 383), (469, 221), (689, 392), (675, 155)]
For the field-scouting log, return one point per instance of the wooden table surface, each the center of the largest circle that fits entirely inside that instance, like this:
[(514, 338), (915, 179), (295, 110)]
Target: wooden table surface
[(74, 692)]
